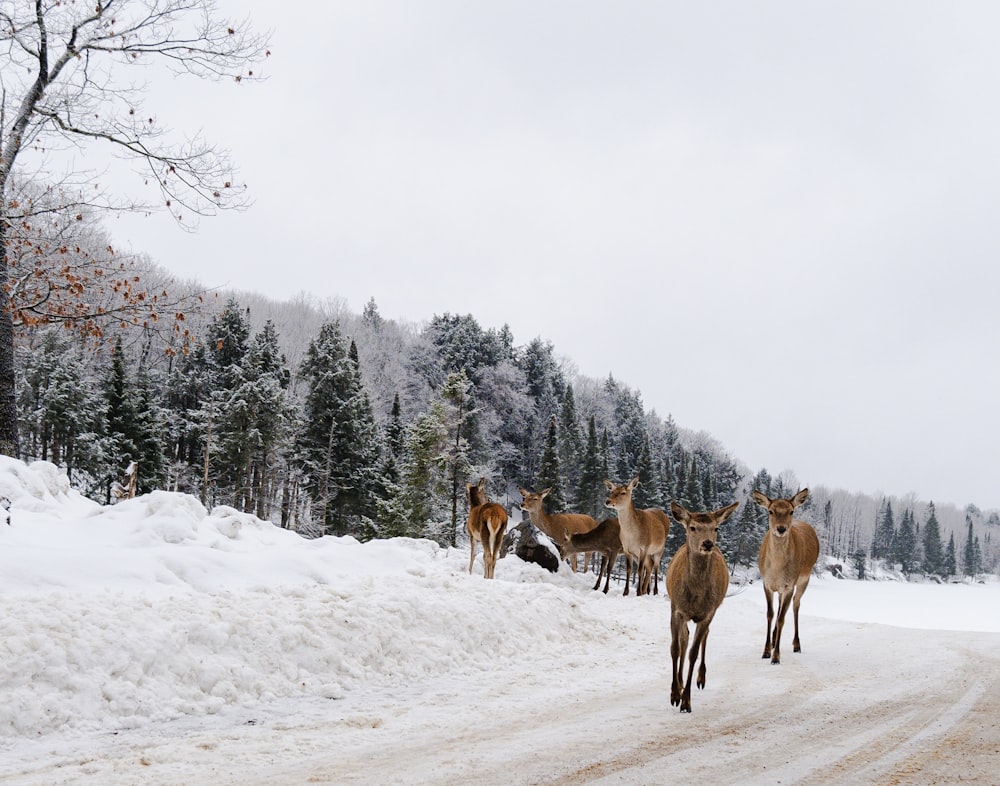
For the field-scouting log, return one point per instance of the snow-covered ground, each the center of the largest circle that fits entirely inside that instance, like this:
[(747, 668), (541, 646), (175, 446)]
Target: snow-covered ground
[(153, 642)]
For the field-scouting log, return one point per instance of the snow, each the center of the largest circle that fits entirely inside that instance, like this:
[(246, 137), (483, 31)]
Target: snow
[(154, 641)]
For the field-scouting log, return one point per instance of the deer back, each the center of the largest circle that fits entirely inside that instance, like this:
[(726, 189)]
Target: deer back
[(606, 537)]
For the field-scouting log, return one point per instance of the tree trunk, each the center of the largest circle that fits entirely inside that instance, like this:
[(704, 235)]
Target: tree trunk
[(10, 444)]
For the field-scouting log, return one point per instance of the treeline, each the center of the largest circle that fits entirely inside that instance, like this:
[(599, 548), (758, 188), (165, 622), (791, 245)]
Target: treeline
[(327, 421), (373, 432)]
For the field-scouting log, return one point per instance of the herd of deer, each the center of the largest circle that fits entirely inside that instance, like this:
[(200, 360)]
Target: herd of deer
[(697, 576)]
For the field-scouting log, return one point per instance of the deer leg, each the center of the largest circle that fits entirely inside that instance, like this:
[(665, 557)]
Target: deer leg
[(472, 555), (701, 667), (770, 616), (678, 646), (628, 573), (784, 601), (700, 632), (607, 578), (799, 589)]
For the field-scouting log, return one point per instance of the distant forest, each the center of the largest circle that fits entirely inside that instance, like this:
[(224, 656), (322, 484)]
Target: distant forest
[(331, 422)]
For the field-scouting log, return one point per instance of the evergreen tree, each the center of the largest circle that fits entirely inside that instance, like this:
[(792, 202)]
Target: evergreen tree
[(885, 533), (950, 563), (423, 498), (647, 494), (692, 496), (570, 443), (933, 548), (969, 567), (549, 475), (456, 395), (745, 536), (590, 493), (858, 559), (252, 421), (905, 544), (337, 448), (61, 413)]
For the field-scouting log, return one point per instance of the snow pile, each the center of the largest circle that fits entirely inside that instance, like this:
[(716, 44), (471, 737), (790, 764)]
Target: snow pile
[(116, 617)]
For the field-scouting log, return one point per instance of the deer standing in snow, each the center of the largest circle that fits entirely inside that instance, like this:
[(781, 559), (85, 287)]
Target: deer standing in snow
[(604, 539), (697, 579), (787, 556), (644, 534), (555, 525), (487, 524)]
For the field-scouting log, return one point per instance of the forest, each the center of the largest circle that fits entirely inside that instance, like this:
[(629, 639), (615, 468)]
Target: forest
[(324, 421), (330, 422)]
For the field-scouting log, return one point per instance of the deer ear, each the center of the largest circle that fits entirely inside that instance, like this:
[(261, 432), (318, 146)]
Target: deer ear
[(482, 483), (678, 512), (609, 484), (760, 499), (726, 512), (524, 492), (633, 483), (799, 498), (545, 493)]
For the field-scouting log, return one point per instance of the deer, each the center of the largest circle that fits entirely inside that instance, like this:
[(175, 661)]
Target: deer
[(604, 539), (697, 579), (644, 534), (487, 524), (555, 525), (787, 556)]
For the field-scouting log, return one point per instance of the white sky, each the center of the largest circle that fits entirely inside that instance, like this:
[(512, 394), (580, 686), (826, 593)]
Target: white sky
[(776, 220)]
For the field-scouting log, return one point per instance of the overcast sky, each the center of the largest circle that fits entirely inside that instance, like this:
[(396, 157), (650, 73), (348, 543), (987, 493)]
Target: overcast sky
[(778, 221)]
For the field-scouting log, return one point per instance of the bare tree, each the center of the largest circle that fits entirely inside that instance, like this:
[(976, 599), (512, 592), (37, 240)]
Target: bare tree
[(67, 81)]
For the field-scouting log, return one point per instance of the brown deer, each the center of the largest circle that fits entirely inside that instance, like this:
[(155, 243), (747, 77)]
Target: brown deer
[(555, 525), (644, 535), (487, 524), (604, 539), (697, 579), (787, 556)]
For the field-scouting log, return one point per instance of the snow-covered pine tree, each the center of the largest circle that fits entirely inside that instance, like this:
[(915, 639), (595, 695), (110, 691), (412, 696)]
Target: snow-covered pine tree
[(336, 448), (549, 474), (570, 446), (904, 545), (949, 563), (456, 398), (590, 492), (933, 547), (969, 567), (885, 532), (61, 411)]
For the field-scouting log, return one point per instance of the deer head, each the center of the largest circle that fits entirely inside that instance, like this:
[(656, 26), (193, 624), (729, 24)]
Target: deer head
[(477, 495), (533, 500), (779, 511), (701, 529), (620, 497)]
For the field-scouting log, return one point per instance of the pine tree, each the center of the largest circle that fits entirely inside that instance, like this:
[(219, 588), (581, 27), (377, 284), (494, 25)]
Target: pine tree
[(252, 422), (904, 549), (692, 497), (590, 493), (885, 533), (61, 413), (549, 475), (933, 547), (456, 396), (647, 494), (423, 498), (969, 567), (949, 563), (337, 448), (570, 443)]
